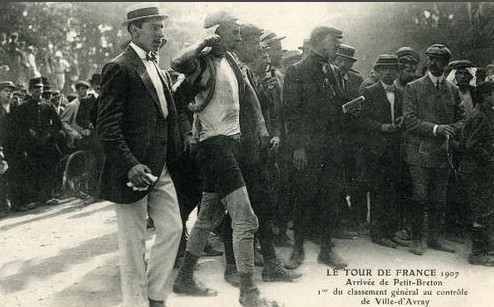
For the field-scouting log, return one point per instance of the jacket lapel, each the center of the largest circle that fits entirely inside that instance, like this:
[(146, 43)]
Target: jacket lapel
[(143, 74)]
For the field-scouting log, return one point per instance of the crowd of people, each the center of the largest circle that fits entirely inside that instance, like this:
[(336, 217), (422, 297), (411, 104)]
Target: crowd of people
[(260, 140)]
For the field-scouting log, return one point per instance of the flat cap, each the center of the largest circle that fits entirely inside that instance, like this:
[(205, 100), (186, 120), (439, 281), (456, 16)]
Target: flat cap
[(346, 51), (327, 30), (387, 60), (490, 66), (219, 17), (407, 55), (80, 83), (48, 88), (439, 50), (5, 84), (35, 82), (249, 32), (269, 37), (462, 64)]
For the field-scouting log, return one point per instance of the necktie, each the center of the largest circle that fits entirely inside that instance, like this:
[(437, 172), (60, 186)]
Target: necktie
[(152, 56), (437, 84)]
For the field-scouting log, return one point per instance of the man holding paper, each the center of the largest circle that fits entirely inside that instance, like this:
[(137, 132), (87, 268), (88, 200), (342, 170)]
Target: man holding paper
[(138, 129)]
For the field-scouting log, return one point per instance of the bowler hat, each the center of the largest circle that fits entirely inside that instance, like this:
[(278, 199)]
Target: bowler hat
[(439, 50), (407, 54), (80, 83), (346, 51), (387, 60), (5, 84), (218, 17), (141, 11), (35, 82)]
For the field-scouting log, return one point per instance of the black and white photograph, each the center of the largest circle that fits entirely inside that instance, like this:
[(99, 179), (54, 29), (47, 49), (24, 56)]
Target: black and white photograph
[(246, 154)]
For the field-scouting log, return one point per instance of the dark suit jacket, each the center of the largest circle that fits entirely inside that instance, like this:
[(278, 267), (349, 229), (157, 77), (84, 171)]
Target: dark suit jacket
[(376, 112), (131, 126), (312, 111), (351, 88), (423, 107)]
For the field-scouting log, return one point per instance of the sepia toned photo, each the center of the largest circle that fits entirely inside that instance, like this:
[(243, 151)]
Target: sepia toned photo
[(256, 154)]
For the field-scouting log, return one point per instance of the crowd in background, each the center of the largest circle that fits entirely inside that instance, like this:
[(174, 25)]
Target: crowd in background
[(396, 178)]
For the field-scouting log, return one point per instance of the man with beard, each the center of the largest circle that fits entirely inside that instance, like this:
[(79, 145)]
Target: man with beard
[(314, 116), (228, 128), (432, 116), (409, 59)]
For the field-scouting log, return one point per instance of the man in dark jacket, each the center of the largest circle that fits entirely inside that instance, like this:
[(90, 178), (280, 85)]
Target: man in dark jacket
[(138, 129), (356, 215), (314, 117), (6, 89), (33, 150), (432, 116), (380, 124)]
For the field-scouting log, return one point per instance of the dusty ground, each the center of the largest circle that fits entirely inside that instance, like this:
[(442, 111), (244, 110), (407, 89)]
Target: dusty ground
[(67, 256)]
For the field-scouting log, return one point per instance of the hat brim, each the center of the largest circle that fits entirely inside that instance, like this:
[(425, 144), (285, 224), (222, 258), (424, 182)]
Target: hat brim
[(346, 57), (126, 22), (387, 65)]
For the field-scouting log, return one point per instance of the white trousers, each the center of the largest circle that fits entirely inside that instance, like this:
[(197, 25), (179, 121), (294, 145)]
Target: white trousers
[(139, 285)]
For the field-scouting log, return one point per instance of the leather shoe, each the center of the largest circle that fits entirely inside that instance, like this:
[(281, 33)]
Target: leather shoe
[(385, 242), (209, 251), (192, 288), (416, 247), (252, 298), (274, 271), (296, 259), (400, 241), (437, 244), (331, 259), (153, 303), (232, 278)]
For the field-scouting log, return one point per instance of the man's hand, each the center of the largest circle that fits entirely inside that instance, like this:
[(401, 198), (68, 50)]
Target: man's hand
[(137, 176), (275, 144), (389, 128), (85, 132), (399, 121), (445, 130), (212, 40), (33, 133), (300, 159), (190, 145)]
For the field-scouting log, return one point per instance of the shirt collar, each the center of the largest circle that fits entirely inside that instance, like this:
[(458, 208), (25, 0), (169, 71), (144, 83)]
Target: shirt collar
[(435, 80), (389, 88), (140, 52)]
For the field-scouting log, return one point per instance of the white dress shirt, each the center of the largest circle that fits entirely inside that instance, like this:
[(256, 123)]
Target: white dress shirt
[(152, 70), (390, 93)]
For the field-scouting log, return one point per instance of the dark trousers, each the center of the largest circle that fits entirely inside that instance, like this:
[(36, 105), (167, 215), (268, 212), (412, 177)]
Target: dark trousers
[(320, 190), (3, 192), (384, 202), (429, 198)]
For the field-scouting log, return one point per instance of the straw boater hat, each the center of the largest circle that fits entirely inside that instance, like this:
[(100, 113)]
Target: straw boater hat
[(143, 10)]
